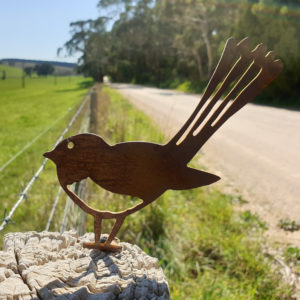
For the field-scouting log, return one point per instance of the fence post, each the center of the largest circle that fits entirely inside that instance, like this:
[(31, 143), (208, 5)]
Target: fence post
[(23, 81), (76, 272), (94, 109)]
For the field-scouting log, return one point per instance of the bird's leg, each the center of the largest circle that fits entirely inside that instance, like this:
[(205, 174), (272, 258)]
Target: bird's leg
[(97, 228), (121, 217), (118, 223)]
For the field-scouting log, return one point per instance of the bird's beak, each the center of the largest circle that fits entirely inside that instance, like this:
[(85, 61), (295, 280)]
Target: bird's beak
[(51, 155)]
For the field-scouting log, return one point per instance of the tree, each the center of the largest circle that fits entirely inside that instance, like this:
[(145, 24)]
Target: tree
[(272, 22), (44, 69), (91, 39), (168, 42), (28, 71)]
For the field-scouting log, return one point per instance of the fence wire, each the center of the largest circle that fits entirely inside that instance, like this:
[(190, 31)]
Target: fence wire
[(53, 208), (23, 195), (31, 143), (74, 217)]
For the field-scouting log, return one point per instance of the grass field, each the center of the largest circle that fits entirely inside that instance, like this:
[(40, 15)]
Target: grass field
[(26, 114), (206, 248)]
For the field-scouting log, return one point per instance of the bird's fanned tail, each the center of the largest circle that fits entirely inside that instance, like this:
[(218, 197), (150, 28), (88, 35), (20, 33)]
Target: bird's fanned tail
[(240, 75)]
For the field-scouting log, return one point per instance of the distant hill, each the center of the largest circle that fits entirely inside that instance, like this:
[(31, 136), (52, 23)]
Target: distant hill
[(61, 68)]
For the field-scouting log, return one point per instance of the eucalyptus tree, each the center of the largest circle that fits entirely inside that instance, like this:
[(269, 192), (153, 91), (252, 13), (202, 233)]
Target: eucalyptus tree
[(277, 24), (163, 42), (91, 39)]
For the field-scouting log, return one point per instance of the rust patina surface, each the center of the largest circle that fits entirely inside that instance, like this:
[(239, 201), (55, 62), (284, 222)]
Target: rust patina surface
[(147, 170)]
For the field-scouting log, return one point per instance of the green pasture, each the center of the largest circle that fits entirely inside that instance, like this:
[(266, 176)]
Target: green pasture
[(35, 114), (25, 112)]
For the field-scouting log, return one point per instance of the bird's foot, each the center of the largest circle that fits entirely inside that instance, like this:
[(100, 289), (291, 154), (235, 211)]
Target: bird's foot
[(112, 247), (102, 245), (106, 243)]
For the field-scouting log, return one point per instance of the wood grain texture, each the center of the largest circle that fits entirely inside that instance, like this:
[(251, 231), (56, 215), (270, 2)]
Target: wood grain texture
[(50, 265)]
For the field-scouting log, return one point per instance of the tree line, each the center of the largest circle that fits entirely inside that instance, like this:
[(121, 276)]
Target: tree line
[(43, 69), (168, 43)]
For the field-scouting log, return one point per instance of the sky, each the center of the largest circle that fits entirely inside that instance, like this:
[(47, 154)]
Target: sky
[(34, 29)]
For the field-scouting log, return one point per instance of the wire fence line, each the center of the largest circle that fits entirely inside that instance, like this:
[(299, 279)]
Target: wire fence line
[(31, 142), (53, 208), (7, 219), (65, 218), (76, 218)]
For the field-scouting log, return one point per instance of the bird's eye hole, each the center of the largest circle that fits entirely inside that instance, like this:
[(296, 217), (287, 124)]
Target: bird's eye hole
[(71, 145)]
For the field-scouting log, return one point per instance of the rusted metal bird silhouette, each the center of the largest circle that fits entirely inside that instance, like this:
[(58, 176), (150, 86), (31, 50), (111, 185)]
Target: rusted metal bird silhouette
[(147, 170)]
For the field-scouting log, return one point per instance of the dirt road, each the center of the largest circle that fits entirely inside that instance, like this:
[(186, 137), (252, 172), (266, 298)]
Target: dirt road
[(257, 152)]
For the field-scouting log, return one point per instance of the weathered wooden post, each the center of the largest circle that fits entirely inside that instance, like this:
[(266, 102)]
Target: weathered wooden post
[(48, 265)]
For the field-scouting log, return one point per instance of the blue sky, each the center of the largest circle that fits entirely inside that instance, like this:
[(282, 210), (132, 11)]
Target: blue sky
[(34, 29)]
